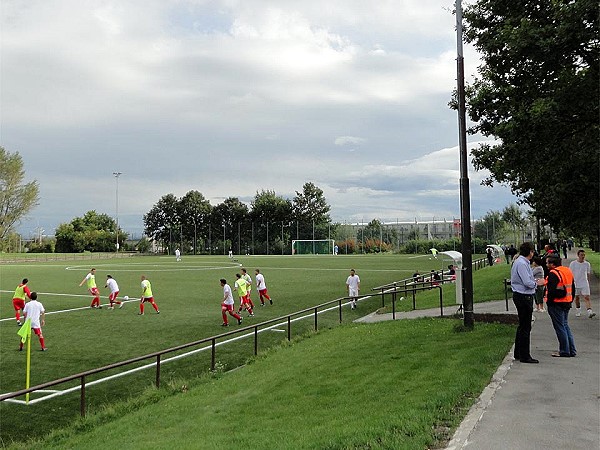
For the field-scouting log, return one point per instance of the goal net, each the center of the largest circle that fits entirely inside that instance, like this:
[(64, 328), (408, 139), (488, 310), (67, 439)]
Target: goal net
[(313, 247)]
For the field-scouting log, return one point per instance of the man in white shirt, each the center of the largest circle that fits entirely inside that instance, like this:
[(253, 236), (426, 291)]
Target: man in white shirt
[(35, 311), (353, 285), (227, 304), (111, 283), (581, 272)]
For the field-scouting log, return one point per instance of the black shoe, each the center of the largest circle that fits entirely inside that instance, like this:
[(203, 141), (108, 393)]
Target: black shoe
[(530, 361)]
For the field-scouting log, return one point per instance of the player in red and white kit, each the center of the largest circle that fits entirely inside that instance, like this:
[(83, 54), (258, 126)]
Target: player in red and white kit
[(227, 304), (111, 283), (262, 288), (90, 280), (21, 292), (35, 311)]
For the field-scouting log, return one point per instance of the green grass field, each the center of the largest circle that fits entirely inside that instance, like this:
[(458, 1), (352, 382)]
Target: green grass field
[(189, 296)]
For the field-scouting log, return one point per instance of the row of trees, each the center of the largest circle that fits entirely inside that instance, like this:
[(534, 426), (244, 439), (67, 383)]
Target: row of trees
[(537, 91), (192, 223)]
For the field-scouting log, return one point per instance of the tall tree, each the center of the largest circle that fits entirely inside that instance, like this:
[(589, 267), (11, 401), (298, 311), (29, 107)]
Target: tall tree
[(490, 227), (93, 232), (195, 212), (162, 222), (16, 199), (538, 92), (310, 209), (226, 220)]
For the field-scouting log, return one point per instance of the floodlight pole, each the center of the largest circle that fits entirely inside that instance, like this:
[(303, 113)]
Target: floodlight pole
[(117, 175), (465, 203)]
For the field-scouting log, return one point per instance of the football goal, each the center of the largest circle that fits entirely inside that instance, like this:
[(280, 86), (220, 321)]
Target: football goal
[(313, 247)]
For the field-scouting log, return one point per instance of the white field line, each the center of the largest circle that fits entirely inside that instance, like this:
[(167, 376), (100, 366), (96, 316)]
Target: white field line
[(183, 355), (68, 310)]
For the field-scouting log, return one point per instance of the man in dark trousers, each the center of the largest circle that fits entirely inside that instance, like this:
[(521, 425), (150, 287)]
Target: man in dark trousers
[(523, 286)]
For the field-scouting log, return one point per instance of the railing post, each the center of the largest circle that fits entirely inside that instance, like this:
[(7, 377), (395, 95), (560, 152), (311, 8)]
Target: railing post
[(157, 371), (256, 340), (212, 354), (289, 329), (82, 397), (316, 310)]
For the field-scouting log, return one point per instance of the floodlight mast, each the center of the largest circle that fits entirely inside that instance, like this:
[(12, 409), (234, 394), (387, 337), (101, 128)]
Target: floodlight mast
[(117, 175), (465, 202)]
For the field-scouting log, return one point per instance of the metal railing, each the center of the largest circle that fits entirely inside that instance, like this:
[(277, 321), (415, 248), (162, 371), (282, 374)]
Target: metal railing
[(213, 341)]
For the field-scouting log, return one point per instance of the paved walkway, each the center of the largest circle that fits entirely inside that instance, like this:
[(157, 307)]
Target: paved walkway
[(553, 405)]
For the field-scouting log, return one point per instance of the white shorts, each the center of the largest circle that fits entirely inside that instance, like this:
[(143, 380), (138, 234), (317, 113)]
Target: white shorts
[(585, 290), (352, 292)]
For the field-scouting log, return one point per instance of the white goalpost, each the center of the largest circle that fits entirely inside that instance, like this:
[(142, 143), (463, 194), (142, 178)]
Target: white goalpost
[(313, 246)]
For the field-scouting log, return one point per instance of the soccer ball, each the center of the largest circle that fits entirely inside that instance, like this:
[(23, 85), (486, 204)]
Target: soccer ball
[(126, 297)]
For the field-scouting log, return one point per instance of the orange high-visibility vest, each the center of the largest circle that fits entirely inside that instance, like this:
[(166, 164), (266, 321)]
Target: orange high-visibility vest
[(565, 281)]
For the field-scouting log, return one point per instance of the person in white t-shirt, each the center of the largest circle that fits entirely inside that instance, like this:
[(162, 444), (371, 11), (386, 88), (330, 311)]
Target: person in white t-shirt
[(111, 283), (581, 277), (227, 304), (353, 286), (35, 311), (261, 286)]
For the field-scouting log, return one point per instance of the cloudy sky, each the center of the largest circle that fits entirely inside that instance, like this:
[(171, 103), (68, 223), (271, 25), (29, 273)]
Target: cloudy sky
[(230, 97)]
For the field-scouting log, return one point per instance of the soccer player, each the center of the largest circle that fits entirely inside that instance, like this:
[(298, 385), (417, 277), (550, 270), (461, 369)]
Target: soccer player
[(262, 288), (21, 292), (227, 304), (90, 280), (241, 286), (353, 285), (581, 271), (248, 279), (35, 311), (111, 283), (147, 296)]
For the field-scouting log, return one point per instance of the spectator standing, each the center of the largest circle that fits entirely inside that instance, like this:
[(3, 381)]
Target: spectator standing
[(490, 255), (559, 297), (538, 274), (582, 270), (523, 286), (21, 292)]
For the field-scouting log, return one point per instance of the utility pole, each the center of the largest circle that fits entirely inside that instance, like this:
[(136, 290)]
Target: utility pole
[(465, 201), (117, 175)]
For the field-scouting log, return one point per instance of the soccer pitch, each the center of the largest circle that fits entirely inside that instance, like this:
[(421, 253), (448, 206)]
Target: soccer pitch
[(189, 296)]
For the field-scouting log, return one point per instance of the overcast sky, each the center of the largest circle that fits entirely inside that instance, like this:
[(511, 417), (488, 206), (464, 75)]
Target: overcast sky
[(231, 97)]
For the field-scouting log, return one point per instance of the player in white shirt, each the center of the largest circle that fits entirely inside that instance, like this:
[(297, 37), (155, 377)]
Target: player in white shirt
[(353, 285), (227, 304), (581, 277), (261, 286), (35, 311), (111, 283)]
